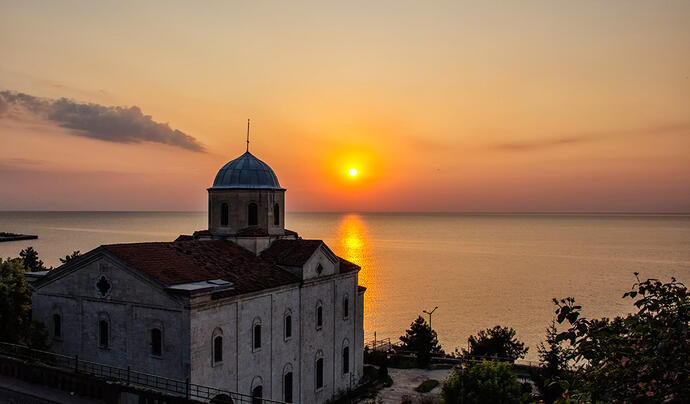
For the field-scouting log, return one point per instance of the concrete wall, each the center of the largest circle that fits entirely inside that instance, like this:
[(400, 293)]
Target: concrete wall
[(244, 367), (132, 308), (238, 200)]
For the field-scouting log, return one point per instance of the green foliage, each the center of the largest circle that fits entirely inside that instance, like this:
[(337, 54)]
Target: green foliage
[(553, 366), (30, 259), (426, 386), (15, 301), (499, 342), (483, 382), (421, 340), (70, 257), (641, 358)]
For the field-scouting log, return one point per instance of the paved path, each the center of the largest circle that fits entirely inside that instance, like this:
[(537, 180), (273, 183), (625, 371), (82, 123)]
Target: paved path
[(406, 380), (14, 391)]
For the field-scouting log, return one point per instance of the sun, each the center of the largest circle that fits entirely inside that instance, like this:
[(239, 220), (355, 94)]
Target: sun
[(353, 172)]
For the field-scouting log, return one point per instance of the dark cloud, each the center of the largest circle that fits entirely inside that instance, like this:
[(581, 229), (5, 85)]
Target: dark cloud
[(112, 124), (675, 128)]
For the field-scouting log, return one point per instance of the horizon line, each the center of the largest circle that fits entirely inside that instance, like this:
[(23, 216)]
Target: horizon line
[(469, 212)]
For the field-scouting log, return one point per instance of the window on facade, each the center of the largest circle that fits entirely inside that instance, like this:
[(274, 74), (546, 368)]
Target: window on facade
[(224, 214), (252, 214), (319, 373), (57, 325), (257, 336), (103, 333), (319, 269), (287, 387), (346, 360), (156, 342), (218, 349), (276, 215), (288, 326), (346, 307), (257, 393), (319, 316)]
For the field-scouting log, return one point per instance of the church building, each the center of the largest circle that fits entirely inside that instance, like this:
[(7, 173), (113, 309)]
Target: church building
[(245, 306)]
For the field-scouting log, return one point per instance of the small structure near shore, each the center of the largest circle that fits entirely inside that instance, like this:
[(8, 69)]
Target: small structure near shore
[(16, 237)]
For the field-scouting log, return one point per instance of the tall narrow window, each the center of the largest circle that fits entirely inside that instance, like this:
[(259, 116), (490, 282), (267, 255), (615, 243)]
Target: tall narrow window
[(218, 349), (287, 387), (156, 342), (276, 215), (257, 394), (288, 326), (252, 214), (319, 316), (346, 360), (319, 373), (103, 333), (224, 214), (257, 336), (57, 326), (346, 307)]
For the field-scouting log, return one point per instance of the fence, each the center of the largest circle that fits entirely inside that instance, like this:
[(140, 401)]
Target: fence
[(131, 377)]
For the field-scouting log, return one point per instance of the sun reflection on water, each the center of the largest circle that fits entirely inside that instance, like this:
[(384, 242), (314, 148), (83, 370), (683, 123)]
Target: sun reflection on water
[(354, 244)]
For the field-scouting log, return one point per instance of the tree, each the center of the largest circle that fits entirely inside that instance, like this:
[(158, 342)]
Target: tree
[(640, 358), (497, 342), (70, 257), (15, 301), (31, 261), (553, 365), (483, 382), (422, 340)]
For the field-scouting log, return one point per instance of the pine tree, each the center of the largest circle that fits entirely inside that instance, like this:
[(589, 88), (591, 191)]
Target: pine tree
[(31, 261), (422, 340)]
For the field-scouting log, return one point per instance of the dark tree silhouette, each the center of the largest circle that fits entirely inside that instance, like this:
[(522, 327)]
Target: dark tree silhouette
[(31, 261), (70, 257), (422, 340), (497, 342)]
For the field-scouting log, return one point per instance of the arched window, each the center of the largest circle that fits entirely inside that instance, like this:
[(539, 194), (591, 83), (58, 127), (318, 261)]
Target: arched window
[(224, 214), (287, 387), (103, 329), (288, 325), (57, 326), (319, 373), (218, 349), (257, 394), (256, 343), (156, 342), (346, 359), (319, 315), (252, 214), (346, 307), (276, 215)]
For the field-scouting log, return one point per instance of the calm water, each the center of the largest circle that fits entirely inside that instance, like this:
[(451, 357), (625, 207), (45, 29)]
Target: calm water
[(481, 270)]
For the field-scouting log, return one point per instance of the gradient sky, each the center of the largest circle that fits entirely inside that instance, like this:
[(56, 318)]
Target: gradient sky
[(441, 106)]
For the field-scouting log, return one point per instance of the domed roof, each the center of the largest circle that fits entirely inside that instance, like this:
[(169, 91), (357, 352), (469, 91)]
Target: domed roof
[(246, 171)]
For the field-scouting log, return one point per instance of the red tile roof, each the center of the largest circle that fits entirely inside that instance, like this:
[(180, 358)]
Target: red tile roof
[(291, 253), (179, 262)]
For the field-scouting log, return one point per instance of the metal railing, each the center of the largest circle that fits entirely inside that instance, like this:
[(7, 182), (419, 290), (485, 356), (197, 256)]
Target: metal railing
[(129, 377)]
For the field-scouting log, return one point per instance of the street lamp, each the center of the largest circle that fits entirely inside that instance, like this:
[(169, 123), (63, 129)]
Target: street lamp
[(430, 313)]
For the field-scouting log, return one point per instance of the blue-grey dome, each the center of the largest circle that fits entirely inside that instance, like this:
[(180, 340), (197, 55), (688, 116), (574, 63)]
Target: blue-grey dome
[(246, 171)]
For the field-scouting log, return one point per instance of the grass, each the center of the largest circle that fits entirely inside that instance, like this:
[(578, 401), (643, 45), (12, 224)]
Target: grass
[(427, 386)]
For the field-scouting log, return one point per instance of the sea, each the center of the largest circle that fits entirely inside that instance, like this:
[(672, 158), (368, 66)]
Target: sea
[(480, 270)]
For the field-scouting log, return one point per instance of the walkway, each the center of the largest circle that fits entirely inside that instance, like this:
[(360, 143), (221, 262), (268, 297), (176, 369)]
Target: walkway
[(406, 380)]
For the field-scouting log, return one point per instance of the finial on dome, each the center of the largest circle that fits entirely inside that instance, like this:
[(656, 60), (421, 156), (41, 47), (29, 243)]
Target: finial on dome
[(247, 135)]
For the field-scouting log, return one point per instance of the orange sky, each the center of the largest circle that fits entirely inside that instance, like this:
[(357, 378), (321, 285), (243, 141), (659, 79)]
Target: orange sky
[(449, 106)]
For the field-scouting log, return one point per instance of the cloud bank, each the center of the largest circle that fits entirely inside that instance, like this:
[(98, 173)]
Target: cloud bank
[(111, 124)]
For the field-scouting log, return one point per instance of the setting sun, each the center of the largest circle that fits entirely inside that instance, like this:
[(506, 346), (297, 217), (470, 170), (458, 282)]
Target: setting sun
[(353, 172)]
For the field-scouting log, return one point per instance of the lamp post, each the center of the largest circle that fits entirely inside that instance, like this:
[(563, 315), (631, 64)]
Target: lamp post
[(430, 313)]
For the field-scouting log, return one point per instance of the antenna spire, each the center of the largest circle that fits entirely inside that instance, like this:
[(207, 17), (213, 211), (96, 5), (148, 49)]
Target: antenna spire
[(247, 135)]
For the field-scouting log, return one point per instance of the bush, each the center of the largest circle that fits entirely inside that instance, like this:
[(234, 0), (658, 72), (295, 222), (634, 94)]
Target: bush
[(484, 382), (640, 358), (426, 386), (499, 342)]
